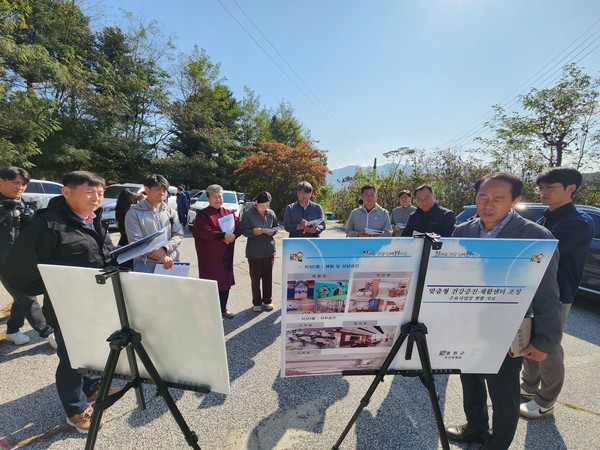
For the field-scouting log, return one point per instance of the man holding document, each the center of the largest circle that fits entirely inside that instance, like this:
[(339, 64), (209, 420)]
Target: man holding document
[(369, 219), (215, 231), (149, 216), (304, 218)]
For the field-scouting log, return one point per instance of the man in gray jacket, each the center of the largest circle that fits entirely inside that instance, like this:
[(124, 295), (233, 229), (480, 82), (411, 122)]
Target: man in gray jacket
[(149, 216), (369, 219), (496, 195)]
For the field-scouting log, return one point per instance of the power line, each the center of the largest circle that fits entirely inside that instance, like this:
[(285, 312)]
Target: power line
[(478, 125), (320, 107)]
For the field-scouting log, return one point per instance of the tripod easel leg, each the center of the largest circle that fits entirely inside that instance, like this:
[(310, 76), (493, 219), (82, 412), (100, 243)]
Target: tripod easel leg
[(378, 379), (426, 378), (190, 436), (109, 371)]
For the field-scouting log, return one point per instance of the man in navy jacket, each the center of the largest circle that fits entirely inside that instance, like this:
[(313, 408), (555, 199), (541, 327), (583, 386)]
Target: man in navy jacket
[(429, 216), (542, 381)]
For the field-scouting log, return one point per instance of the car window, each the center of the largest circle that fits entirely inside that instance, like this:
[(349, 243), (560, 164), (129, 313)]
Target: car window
[(533, 214), (51, 188), (228, 197), (34, 188)]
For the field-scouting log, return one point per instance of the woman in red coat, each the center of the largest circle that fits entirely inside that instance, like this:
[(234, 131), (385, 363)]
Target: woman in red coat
[(214, 236)]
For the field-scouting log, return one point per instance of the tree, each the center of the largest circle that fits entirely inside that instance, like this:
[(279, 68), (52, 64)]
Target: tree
[(278, 168), (554, 128)]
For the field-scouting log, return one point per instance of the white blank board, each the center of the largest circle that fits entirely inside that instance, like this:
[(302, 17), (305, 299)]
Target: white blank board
[(179, 320)]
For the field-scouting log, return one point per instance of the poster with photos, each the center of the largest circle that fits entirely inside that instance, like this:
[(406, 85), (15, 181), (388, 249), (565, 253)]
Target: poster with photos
[(346, 299)]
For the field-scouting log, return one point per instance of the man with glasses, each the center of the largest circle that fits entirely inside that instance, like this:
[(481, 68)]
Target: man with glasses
[(542, 381), (429, 216), (304, 218)]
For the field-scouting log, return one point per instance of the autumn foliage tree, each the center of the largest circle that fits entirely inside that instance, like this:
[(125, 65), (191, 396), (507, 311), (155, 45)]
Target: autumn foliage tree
[(278, 168)]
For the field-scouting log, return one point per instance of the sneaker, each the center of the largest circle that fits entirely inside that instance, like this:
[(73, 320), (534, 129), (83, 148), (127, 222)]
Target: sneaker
[(51, 341), (18, 338), (83, 421), (269, 306), (257, 308), (532, 410), (526, 396), (227, 314)]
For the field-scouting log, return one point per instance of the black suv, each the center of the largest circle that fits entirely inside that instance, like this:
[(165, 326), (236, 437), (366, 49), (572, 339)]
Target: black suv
[(590, 282)]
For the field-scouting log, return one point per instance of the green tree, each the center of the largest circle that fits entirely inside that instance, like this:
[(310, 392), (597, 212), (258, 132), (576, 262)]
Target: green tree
[(554, 128), (278, 168)]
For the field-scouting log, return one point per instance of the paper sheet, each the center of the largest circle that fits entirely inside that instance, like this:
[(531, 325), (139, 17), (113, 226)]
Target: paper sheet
[(179, 269), (227, 223)]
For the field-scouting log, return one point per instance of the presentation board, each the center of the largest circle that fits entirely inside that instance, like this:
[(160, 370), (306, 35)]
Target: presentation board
[(346, 299), (179, 320)]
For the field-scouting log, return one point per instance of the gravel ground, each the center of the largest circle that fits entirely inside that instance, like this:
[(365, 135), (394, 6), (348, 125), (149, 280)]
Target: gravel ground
[(265, 411)]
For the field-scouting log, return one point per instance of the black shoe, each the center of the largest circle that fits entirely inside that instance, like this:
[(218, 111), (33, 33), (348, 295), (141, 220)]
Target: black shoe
[(227, 314), (466, 433)]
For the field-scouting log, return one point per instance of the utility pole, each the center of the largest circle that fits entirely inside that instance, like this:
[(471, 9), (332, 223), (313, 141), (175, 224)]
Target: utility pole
[(375, 171)]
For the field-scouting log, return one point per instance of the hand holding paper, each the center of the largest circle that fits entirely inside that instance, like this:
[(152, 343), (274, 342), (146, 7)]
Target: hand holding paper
[(227, 223)]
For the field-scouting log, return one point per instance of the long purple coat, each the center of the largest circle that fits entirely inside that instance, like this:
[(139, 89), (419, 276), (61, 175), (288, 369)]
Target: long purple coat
[(215, 258)]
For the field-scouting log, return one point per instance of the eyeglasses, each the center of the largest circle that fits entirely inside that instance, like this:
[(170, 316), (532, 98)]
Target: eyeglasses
[(547, 187)]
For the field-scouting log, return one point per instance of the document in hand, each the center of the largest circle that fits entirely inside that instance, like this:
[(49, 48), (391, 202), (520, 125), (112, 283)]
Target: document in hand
[(179, 269), (227, 223), (372, 231), (315, 222), (269, 230), (141, 247)]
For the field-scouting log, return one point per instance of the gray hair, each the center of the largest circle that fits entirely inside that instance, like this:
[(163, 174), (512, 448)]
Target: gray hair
[(213, 188)]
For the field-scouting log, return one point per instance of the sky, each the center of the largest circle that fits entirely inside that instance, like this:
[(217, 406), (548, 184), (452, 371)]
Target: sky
[(370, 76)]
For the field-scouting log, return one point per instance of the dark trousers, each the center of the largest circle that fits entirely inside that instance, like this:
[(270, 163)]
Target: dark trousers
[(73, 387), (261, 269), (504, 389), (25, 307), (223, 297), (182, 214)]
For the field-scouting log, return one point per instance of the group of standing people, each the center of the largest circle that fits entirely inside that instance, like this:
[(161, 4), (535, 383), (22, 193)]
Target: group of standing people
[(69, 232), (370, 219)]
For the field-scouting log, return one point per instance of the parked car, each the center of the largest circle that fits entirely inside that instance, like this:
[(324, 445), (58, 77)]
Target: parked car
[(41, 191), (590, 281), (230, 201), (111, 194)]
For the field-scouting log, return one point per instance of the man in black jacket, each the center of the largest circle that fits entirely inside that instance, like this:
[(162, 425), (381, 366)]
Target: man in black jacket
[(543, 380), (14, 215), (67, 233), (429, 216)]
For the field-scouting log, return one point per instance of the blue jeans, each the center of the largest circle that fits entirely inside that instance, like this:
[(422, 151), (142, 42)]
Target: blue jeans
[(139, 266)]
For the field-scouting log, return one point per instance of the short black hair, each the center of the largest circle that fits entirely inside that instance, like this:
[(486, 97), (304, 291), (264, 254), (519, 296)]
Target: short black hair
[(304, 186), (563, 175), (422, 188), (156, 180), (12, 172), (79, 177), (404, 192), (263, 197), (516, 184), (366, 188)]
